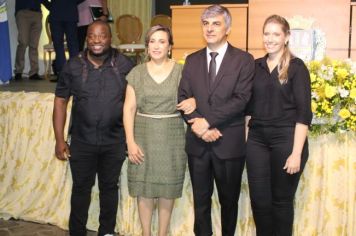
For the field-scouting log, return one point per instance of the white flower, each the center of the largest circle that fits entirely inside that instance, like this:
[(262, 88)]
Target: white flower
[(353, 68), (328, 74), (353, 108), (315, 95), (343, 92)]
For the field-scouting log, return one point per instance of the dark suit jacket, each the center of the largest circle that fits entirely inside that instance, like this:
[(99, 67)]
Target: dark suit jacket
[(222, 104), (62, 10)]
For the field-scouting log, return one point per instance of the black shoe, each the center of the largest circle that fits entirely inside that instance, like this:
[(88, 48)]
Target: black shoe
[(35, 77), (54, 80), (18, 76)]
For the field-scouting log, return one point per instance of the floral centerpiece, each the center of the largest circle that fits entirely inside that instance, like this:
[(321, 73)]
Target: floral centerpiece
[(333, 84)]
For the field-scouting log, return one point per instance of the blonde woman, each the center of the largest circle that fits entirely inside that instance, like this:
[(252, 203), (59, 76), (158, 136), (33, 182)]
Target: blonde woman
[(277, 147), (155, 131)]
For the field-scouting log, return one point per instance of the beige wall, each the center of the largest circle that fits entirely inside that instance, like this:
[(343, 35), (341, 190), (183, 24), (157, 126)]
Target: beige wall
[(331, 16), (353, 32), (187, 31)]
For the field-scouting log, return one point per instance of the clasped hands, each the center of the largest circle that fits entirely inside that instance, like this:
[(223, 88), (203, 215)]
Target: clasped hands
[(200, 127)]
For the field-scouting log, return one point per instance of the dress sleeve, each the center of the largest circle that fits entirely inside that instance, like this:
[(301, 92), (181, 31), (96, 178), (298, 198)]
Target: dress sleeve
[(131, 77), (302, 94)]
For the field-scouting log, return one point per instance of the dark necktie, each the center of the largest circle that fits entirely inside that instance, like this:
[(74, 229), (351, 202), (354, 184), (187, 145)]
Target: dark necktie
[(212, 67)]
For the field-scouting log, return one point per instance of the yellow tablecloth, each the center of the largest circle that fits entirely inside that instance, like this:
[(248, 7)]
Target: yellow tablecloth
[(35, 186)]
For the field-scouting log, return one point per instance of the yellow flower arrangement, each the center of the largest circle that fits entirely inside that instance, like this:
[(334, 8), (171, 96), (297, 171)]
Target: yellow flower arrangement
[(333, 84)]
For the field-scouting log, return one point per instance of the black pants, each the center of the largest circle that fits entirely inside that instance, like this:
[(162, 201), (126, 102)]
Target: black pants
[(85, 162), (59, 29), (227, 175), (272, 189), (82, 34)]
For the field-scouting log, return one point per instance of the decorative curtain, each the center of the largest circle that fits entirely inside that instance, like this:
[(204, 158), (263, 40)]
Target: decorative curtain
[(140, 8), (35, 186)]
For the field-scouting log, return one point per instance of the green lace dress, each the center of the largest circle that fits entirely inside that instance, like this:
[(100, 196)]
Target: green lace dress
[(161, 140)]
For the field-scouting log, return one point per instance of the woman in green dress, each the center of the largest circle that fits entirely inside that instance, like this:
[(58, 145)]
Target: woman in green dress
[(155, 131)]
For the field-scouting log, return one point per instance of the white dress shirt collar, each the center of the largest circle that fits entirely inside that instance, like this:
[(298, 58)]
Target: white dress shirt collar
[(221, 53)]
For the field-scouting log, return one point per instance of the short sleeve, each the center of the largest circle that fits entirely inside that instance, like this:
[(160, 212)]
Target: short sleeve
[(64, 84), (132, 77)]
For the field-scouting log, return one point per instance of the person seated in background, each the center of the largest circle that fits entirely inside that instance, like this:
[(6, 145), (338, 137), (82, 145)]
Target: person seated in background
[(96, 80), (86, 18), (28, 16)]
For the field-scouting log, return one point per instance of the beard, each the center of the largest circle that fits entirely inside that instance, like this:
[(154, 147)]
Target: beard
[(100, 56)]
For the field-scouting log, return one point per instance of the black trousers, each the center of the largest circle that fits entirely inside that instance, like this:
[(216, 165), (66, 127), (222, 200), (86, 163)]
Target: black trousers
[(59, 29), (272, 189), (82, 34), (227, 175), (85, 162)]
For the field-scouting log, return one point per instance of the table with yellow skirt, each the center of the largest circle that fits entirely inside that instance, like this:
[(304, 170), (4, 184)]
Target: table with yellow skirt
[(35, 186)]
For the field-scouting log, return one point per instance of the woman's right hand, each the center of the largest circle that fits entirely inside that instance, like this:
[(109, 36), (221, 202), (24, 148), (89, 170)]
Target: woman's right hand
[(187, 106), (135, 154)]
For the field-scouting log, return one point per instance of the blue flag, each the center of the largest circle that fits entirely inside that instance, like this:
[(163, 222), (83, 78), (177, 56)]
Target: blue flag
[(5, 53)]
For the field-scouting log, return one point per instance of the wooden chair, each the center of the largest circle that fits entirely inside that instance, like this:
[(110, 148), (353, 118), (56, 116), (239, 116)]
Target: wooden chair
[(161, 20), (129, 32), (128, 29)]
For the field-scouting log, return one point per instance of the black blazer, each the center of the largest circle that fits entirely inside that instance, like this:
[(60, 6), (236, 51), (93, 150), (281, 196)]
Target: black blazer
[(222, 104), (62, 10)]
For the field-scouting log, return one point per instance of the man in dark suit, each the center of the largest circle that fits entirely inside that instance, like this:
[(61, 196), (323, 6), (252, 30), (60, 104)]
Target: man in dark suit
[(63, 18), (219, 77)]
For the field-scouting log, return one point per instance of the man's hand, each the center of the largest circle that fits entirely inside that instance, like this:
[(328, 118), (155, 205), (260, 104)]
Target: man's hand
[(211, 135), (62, 151), (199, 126)]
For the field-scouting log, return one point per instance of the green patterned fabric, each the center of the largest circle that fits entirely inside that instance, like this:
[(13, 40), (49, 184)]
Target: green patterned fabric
[(161, 140)]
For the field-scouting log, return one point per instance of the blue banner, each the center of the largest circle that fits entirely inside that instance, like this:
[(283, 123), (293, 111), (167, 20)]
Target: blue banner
[(5, 53)]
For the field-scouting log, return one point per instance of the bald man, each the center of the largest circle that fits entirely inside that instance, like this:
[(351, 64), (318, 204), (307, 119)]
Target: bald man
[(96, 80)]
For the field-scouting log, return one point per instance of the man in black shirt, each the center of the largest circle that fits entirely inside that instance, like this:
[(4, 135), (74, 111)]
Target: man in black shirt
[(96, 80)]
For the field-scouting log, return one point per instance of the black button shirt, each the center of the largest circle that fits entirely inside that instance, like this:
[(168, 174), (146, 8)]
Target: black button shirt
[(98, 97), (276, 104)]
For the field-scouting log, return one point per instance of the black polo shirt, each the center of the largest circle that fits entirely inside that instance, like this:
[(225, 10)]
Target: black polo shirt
[(276, 104), (98, 97)]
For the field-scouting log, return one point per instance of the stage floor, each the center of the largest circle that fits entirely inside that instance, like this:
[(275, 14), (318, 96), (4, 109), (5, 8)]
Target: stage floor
[(42, 86), (21, 228)]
